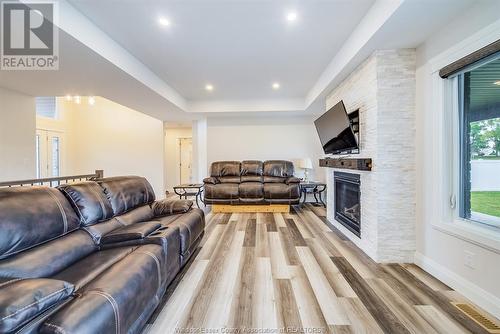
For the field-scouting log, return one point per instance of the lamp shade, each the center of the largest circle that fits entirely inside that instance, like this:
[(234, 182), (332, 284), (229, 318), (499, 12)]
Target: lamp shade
[(305, 163)]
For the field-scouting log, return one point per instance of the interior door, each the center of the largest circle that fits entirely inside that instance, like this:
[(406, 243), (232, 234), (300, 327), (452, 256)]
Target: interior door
[(48, 153), (185, 159)]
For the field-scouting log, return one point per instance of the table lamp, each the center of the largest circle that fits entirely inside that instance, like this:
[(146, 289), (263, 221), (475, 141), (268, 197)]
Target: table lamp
[(306, 164)]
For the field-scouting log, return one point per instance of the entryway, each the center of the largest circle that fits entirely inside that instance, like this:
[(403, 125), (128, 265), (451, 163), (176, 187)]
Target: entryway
[(48, 153)]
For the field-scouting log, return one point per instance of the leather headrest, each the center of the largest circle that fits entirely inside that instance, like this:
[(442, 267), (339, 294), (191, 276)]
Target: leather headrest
[(88, 200), (252, 167), (30, 216), (127, 192), (225, 168), (278, 168)]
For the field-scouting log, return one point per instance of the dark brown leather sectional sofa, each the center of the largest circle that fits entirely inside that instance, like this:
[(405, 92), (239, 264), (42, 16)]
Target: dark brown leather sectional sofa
[(91, 257), (252, 182)]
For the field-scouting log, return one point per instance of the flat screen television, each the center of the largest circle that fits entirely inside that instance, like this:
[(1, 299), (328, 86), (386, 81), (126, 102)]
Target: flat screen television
[(335, 131)]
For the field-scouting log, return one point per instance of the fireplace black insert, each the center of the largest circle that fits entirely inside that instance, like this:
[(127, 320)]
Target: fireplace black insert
[(348, 201)]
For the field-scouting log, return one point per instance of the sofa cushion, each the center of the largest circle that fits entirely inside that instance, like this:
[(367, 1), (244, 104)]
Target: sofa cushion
[(127, 192), (225, 191), (191, 226), (22, 300), (251, 171), (251, 190), (169, 207), (118, 300), (30, 216), (84, 271), (49, 258), (278, 191), (140, 214), (88, 200)]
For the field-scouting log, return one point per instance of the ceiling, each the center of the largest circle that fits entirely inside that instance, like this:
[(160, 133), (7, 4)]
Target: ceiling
[(118, 50), (240, 47)]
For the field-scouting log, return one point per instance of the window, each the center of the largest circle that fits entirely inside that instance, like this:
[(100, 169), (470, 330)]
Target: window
[(46, 106), (479, 143)]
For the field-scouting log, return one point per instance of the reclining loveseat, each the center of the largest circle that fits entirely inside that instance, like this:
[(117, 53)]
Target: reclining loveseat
[(265, 184), (90, 257)]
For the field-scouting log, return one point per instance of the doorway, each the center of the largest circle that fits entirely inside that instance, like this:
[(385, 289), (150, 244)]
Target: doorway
[(185, 160), (48, 153)]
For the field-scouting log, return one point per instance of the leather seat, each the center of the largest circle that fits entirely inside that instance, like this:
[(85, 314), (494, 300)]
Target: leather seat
[(255, 182), (89, 257)]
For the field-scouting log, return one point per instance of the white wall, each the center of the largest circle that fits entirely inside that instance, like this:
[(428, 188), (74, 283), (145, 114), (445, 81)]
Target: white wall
[(17, 136), (109, 136), (442, 243), (258, 138), (172, 157)]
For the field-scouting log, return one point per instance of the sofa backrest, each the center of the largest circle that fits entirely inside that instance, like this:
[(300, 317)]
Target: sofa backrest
[(30, 216), (251, 171), (277, 171), (89, 201), (226, 171), (126, 193)]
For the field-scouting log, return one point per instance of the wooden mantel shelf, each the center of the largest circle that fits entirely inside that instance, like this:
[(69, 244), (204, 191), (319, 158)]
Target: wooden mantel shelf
[(347, 163)]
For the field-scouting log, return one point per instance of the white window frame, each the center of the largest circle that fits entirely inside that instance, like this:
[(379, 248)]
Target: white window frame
[(445, 151)]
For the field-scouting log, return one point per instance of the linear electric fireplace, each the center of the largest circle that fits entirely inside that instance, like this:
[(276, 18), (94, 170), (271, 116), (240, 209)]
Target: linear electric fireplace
[(347, 201)]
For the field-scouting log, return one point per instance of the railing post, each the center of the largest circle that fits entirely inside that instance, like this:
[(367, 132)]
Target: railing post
[(99, 173)]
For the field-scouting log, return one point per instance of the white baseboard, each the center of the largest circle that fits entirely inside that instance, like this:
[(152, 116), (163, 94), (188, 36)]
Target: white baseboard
[(474, 293)]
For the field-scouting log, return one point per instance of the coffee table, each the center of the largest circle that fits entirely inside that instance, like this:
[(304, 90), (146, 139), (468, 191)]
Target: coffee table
[(190, 190)]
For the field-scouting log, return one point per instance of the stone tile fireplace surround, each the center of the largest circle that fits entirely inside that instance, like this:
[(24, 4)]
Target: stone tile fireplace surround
[(383, 89)]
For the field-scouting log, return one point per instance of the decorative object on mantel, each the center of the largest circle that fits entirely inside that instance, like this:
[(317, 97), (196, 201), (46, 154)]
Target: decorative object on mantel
[(347, 163), (306, 164)]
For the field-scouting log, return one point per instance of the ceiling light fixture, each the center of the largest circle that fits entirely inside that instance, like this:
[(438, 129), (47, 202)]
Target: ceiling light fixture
[(276, 85), (163, 21), (497, 83), (291, 16), (91, 100), (209, 87)]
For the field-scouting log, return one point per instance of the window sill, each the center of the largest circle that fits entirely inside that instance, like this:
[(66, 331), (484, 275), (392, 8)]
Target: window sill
[(473, 232)]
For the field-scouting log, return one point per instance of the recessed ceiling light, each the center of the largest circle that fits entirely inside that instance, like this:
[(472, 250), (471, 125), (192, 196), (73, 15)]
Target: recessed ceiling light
[(209, 87), (497, 83), (291, 16), (276, 85), (163, 21), (91, 100)]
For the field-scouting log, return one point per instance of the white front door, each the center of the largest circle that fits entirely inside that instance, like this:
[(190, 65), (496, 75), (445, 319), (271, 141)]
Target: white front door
[(48, 153), (185, 159)]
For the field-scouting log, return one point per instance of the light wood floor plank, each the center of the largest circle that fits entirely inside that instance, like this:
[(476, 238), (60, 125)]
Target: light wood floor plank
[(439, 321), (264, 308), (309, 309), (332, 310), (278, 259), (361, 320)]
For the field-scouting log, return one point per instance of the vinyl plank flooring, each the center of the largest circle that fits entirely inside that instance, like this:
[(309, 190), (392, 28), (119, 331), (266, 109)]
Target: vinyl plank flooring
[(269, 271), (378, 309)]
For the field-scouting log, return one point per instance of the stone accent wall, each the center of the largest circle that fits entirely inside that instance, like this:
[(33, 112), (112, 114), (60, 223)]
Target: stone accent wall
[(383, 89)]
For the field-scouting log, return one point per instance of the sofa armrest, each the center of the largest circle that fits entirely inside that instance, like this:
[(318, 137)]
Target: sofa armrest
[(130, 232), (210, 180), (171, 207), (292, 179), (23, 299)]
